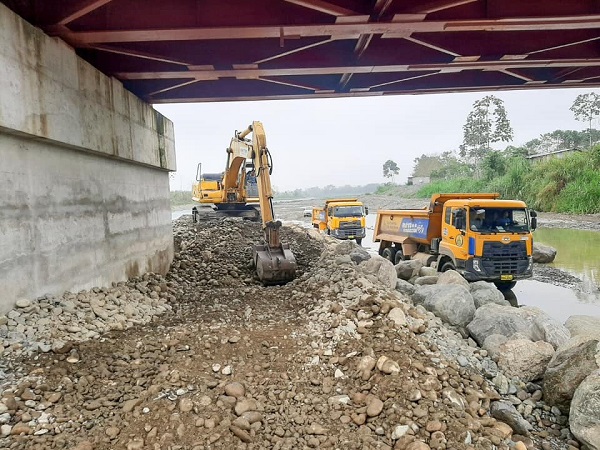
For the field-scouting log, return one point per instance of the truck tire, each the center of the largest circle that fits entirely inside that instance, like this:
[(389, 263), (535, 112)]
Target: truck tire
[(399, 256), (389, 253), (359, 241), (448, 265), (505, 285)]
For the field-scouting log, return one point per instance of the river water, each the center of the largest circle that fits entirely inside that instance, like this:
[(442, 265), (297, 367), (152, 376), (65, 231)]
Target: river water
[(577, 254)]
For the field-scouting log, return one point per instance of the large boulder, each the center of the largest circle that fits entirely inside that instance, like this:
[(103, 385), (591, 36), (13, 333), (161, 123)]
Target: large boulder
[(531, 322), (452, 303), (484, 293), (569, 366), (452, 277), (405, 270), (584, 416), (492, 344), (584, 326), (421, 293), (543, 253), (404, 287), (380, 270), (359, 255), (344, 247), (430, 279), (524, 359)]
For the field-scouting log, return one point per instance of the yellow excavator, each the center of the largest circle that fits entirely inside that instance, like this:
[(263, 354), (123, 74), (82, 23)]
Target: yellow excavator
[(274, 261), (232, 192)]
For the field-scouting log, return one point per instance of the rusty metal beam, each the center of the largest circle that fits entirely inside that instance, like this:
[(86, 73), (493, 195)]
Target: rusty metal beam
[(294, 85), (324, 7), (91, 6), (170, 88), (569, 44), (361, 45), (290, 52), (440, 5), (330, 94), (431, 46), (136, 54), (442, 67), (339, 30)]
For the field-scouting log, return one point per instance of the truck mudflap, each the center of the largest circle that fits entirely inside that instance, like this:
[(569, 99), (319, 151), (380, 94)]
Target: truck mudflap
[(274, 265)]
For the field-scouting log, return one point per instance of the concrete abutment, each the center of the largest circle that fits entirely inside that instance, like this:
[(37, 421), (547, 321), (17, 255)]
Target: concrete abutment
[(84, 172)]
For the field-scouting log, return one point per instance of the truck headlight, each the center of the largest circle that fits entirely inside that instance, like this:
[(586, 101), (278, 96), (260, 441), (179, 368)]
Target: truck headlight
[(476, 266)]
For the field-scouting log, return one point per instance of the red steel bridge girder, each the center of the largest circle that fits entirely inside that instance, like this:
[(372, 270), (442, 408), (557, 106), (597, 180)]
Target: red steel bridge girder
[(214, 50)]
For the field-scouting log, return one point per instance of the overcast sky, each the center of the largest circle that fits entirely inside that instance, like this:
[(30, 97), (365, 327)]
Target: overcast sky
[(343, 141)]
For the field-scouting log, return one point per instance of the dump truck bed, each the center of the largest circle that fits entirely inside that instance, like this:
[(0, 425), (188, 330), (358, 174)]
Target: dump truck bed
[(397, 224)]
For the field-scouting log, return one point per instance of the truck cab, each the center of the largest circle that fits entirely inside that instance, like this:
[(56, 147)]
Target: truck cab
[(342, 219), (487, 240)]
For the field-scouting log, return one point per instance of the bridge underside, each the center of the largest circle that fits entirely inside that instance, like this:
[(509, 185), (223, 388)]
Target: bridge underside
[(214, 50)]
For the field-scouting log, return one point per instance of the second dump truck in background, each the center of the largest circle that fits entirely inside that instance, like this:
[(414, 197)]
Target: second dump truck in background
[(342, 218), (478, 235)]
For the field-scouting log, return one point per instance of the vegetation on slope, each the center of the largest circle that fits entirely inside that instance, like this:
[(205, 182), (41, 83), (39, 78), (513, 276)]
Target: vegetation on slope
[(568, 185)]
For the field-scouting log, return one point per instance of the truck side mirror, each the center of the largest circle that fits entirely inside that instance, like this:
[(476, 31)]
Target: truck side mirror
[(366, 210), (198, 171), (533, 215)]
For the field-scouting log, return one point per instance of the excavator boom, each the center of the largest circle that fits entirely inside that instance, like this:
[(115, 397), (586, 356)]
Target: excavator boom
[(275, 263)]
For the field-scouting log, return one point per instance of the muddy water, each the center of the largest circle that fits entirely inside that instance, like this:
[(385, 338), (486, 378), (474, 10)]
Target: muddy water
[(578, 253)]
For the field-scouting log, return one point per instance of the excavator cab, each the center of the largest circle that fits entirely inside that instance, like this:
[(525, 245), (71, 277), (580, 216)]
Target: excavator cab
[(274, 261)]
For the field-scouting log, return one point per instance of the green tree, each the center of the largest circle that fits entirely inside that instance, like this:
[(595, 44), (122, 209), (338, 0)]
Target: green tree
[(585, 108), (486, 123), (425, 164), (390, 168), (451, 168), (494, 165)]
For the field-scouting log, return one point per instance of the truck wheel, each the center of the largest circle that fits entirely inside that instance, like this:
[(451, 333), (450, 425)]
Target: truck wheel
[(505, 285), (389, 253), (399, 256), (359, 241), (328, 232), (447, 266)]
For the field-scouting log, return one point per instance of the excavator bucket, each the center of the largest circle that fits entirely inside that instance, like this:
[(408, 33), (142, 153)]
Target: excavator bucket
[(274, 265)]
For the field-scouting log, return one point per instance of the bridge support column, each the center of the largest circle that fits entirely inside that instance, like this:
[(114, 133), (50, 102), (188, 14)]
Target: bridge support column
[(84, 172)]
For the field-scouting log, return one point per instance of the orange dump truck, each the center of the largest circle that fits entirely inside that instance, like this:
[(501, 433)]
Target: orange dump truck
[(342, 218), (479, 235)]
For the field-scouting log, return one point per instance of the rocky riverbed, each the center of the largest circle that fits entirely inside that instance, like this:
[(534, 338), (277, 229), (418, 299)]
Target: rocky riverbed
[(208, 358)]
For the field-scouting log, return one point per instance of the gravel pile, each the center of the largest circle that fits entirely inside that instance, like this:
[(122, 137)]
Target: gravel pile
[(334, 359)]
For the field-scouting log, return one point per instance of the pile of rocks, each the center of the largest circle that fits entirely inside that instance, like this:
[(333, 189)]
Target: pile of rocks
[(49, 323), (521, 347), (337, 358)]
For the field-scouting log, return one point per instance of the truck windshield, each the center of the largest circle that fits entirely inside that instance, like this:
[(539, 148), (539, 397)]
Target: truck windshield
[(498, 220), (348, 211)]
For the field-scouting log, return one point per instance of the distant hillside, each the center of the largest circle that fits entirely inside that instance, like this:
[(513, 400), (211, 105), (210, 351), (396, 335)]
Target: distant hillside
[(328, 191)]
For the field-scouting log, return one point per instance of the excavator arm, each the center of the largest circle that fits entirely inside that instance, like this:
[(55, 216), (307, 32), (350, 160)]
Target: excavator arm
[(274, 261)]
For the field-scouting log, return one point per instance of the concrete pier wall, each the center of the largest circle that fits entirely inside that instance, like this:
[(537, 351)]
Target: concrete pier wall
[(84, 172)]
